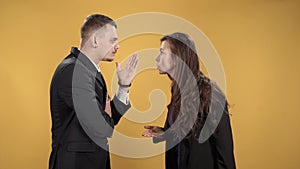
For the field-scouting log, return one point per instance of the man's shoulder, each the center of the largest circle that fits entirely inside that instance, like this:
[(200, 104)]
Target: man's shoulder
[(65, 67), (67, 63)]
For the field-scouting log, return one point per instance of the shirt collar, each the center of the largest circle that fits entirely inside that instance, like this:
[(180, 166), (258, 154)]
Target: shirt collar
[(96, 66)]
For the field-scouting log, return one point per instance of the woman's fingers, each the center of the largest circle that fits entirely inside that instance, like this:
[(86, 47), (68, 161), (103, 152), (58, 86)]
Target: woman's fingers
[(148, 127), (147, 134)]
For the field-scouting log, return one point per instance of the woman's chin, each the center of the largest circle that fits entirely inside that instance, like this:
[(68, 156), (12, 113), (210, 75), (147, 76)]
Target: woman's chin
[(161, 72)]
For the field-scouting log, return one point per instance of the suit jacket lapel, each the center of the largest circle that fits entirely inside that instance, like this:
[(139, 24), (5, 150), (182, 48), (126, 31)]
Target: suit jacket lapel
[(100, 86)]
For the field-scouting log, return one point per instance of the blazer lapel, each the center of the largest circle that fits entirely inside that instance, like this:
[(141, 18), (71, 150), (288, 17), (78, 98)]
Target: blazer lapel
[(100, 86)]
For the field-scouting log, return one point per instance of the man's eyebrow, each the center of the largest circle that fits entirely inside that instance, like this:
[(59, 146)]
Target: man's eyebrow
[(114, 39)]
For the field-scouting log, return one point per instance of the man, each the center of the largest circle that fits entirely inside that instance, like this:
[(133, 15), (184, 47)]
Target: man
[(83, 116)]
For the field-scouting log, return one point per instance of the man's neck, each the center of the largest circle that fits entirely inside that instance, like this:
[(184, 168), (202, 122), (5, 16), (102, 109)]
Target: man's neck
[(90, 55)]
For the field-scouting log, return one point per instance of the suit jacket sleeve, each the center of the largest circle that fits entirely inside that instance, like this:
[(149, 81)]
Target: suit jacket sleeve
[(118, 109), (223, 141)]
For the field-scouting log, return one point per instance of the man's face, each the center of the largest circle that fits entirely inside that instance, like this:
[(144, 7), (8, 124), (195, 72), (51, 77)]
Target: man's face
[(165, 62), (108, 45)]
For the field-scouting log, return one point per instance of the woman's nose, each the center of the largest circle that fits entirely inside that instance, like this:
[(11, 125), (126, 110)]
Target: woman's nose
[(157, 58)]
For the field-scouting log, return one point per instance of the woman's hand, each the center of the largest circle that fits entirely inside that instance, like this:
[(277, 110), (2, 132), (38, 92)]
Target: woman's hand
[(153, 131)]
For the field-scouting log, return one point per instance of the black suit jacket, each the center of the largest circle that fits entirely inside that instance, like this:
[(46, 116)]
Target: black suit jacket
[(217, 152), (79, 139), (214, 153)]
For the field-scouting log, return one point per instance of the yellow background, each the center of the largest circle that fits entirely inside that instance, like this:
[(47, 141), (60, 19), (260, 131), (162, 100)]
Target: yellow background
[(258, 42)]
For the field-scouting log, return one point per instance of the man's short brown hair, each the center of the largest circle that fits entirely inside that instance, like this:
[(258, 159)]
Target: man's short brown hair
[(94, 22)]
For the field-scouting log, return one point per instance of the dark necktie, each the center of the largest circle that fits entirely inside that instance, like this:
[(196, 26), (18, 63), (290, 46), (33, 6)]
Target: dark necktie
[(100, 83)]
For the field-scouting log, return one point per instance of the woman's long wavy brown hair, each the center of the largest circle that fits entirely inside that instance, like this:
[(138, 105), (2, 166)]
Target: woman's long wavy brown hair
[(185, 56)]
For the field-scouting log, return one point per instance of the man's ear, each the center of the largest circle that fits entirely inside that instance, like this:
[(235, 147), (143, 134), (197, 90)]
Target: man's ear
[(95, 41)]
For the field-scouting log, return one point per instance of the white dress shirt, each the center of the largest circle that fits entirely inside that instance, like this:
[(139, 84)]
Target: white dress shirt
[(121, 94)]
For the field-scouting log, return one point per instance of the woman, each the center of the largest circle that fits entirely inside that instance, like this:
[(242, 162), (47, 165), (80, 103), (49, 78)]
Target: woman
[(197, 130)]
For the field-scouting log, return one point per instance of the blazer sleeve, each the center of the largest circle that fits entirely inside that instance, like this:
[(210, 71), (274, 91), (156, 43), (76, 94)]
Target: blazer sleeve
[(118, 109), (158, 139), (77, 88), (223, 142)]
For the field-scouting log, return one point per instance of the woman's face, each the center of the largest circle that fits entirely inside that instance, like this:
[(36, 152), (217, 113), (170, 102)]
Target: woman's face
[(165, 62)]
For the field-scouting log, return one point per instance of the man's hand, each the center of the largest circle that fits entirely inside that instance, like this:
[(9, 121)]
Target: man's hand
[(127, 74), (107, 107), (153, 131)]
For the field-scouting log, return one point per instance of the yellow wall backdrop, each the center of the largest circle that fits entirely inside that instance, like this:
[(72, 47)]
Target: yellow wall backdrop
[(258, 42)]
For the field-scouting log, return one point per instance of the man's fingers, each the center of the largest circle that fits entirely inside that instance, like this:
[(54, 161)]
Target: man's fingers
[(136, 62), (136, 59), (118, 66), (132, 63), (129, 62), (132, 59)]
